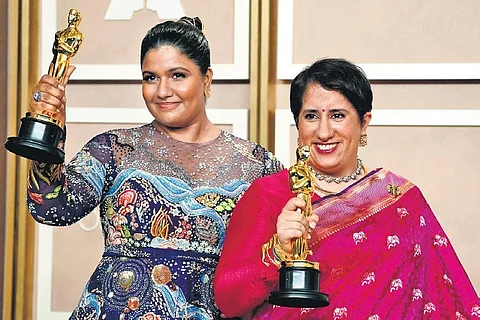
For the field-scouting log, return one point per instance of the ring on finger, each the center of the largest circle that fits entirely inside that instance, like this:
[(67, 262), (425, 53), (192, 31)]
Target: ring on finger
[(37, 96)]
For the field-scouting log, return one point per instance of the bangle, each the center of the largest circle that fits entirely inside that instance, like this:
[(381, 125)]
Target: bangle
[(279, 252), (277, 255)]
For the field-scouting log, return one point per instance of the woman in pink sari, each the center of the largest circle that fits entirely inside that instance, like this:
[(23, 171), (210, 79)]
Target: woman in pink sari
[(381, 251)]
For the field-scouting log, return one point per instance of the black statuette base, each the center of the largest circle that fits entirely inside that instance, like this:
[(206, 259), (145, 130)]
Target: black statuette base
[(37, 140), (299, 287)]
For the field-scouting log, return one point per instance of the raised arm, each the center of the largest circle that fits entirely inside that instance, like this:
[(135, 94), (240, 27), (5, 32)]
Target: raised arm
[(63, 194)]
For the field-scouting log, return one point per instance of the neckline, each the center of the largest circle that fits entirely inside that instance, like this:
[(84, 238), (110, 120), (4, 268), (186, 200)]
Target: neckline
[(167, 136), (366, 176)]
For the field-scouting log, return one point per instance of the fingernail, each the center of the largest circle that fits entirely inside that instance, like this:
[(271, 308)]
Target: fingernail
[(309, 236), (64, 98), (312, 224), (58, 110), (61, 87)]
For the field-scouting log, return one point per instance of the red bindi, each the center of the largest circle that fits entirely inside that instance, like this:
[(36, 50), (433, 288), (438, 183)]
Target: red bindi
[(323, 110)]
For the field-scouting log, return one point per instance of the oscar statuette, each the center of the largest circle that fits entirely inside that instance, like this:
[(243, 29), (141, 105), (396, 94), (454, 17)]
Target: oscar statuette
[(40, 133), (299, 278)]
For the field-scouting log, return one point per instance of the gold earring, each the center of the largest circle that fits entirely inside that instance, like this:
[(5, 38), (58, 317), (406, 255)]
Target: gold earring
[(207, 93), (363, 140)]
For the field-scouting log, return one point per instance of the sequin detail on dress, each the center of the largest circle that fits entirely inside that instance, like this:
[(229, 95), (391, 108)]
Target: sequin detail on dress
[(164, 207)]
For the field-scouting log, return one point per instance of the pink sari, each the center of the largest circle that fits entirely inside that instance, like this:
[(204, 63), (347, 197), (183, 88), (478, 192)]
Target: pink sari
[(383, 255)]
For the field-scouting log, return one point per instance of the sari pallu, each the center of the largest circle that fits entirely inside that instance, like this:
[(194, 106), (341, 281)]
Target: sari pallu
[(383, 255)]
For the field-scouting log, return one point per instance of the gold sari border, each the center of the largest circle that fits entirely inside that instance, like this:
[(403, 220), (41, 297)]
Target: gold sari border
[(386, 200)]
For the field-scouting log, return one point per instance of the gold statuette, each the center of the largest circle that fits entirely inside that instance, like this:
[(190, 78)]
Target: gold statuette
[(40, 133), (299, 278), (67, 42), (302, 184)]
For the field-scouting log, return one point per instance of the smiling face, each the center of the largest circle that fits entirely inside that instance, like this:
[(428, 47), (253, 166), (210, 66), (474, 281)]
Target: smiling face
[(330, 125), (173, 88)]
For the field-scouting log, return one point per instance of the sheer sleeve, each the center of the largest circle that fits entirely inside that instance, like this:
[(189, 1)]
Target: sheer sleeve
[(271, 164), (60, 195), (242, 281)]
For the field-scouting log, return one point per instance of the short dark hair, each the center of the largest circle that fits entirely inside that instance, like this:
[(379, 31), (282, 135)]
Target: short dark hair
[(184, 35), (333, 74)]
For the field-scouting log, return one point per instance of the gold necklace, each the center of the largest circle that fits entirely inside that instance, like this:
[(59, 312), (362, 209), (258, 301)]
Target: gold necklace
[(324, 191)]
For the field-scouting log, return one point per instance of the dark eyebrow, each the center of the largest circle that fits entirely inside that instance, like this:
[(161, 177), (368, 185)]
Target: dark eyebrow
[(337, 110), (310, 110), (178, 69), (315, 110)]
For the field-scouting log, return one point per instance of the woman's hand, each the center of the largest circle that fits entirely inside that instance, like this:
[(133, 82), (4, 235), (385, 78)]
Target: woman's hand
[(292, 224), (48, 96)]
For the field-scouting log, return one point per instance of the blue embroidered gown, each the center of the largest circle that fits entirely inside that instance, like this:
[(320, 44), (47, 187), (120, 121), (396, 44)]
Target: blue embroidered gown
[(164, 207)]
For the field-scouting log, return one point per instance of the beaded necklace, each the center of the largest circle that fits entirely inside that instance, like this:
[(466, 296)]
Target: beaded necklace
[(346, 178)]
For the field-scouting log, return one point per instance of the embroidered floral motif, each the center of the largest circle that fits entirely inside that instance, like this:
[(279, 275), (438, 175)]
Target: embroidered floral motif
[(359, 237), (392, 241), (114, 236), (35, 197), (417, 294), (150, 316), (226, 205), (209, 199), (476, 310), (396, 284), (126, 201), (422, 221), (417, 250), (374, 317), (368, 278), (429, 308), (402, 212), (337, 272), (54, 194), (447, 280), (305, 310), (184, 231), (119, 222), (394, 190), (160, 224), (206, 230), (340, 313), (440, 241), (459, 316)]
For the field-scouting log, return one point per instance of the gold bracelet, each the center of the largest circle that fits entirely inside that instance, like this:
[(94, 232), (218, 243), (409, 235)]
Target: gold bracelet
[(278, 254), (266, 256)]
